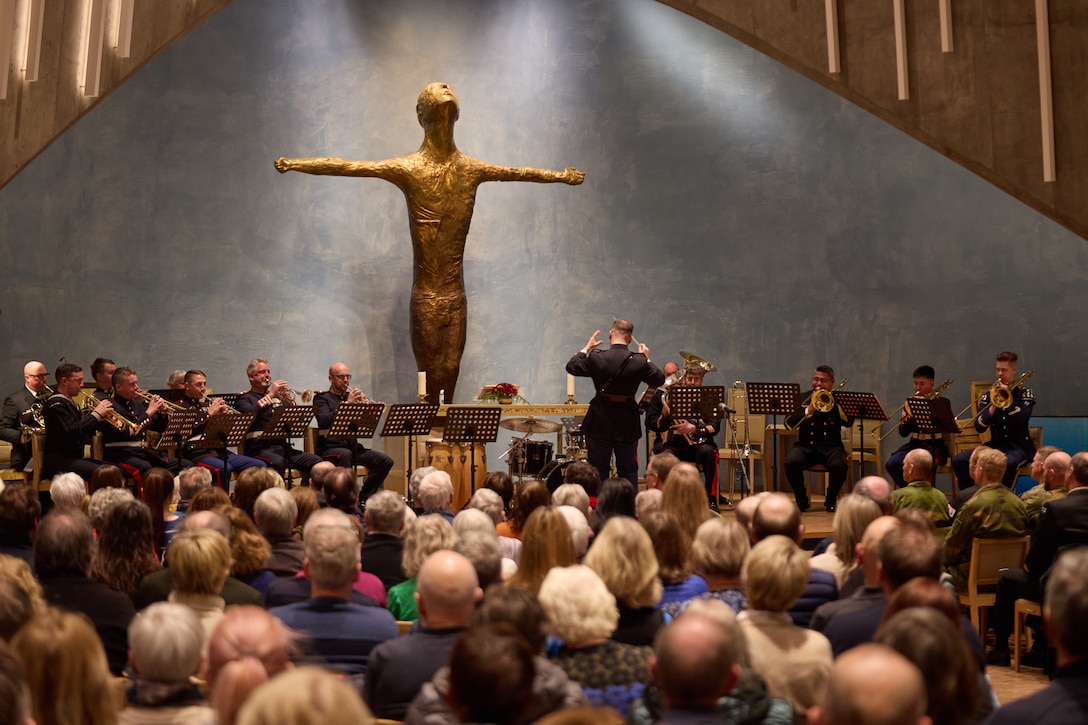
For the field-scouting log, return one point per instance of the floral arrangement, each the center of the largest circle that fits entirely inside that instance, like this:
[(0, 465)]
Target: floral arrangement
[(503, 393)]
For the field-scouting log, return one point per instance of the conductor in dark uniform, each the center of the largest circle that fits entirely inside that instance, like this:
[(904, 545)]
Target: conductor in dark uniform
[(612, 425), (1009, 426), (819, 442)]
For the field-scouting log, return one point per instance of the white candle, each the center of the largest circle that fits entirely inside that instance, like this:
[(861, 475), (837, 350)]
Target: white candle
[(570, 384), (422, 388)]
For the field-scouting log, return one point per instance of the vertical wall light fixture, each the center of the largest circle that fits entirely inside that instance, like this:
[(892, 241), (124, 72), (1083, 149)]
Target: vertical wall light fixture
[(901, 49), (1046, 88), (94, 31), (831, 12), (7, 42), (946, 25), (33, 58)]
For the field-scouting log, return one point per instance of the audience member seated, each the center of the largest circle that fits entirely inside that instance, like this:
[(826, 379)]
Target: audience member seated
[(62, 557), (306, 501), (483, 552), (275, 513), (105, 476), (251, 483), (426, 535), (583, 615), (673, 548), (165, 642), (852, 514), (696, 662), (647, 502), (584, 475), (190, 481), (125, 553), (579, 530), (398, 669), (872, 684), (156, 587), (777, 515), (66, 670), (617, 498), (552, 690), (491, 676), (20, 510), (14, 691), (919, 493), (342, 494), (68, 492), (103, 501), (436, 495), (341, 633), (658, 469), (20, 596), (417, 477), (794, 661), (546, 544), (249, 551), (200, 561), (571, 494), (248, 647), (490, 502), (717, 555), (1050, 468), (383, 547), (158, 494), (304, 696), (684, 498), (529, 496), (209, 499), (623, 556)]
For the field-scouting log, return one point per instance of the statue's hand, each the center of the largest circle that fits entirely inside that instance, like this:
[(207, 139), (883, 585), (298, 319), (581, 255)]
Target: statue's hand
[(572, 176), (283, 164)]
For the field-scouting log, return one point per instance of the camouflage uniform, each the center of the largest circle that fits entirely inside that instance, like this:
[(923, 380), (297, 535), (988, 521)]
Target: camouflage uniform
[(922, 496), (994, 512), (1038, 497)]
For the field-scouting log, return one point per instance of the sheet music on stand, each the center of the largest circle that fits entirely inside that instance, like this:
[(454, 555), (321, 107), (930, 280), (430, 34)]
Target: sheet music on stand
[(411, 420), (225, 429), (773, 399), (472, 424), (860, 406), (355, 420), (697, 402), (932, 416), (287, 421), (179, 426)]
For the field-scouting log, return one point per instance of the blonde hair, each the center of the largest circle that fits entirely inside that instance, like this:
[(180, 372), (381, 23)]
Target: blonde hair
[(199, 561), (775, 574), (720, 548), (684, 497), (247, 648), (305, 696), (852, 517), (546, 543), (18, 572), (993, 462), (426, 535), (623, 556), (66, 670), (578, 604)]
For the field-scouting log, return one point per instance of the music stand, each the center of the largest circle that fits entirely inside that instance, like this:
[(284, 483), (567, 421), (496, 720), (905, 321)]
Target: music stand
[(285, 423), (861, 407), (229, 398), (222, 430), (179, 426), (409, 419), (773, 399), (472, 424), (354, 421)]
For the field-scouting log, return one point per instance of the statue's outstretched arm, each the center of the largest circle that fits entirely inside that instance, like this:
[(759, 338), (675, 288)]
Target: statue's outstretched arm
[(569, 175), (338, 167)]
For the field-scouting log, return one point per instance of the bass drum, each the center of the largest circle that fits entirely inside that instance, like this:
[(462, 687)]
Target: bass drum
[(553, 473)]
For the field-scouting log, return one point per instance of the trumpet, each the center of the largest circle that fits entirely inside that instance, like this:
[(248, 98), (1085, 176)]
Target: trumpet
[(304, 395), (113, 418), (366, 398), (906, 403), (204, 403), (146, 396)]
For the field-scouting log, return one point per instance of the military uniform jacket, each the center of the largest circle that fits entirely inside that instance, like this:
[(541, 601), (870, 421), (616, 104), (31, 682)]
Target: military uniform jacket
[(325, 405), (247, 403), (994, 512), (1009, 427), (135, 411), (614, 417), (922, 496), (819, 430), (16, 407), (656, 422), (66, 430)]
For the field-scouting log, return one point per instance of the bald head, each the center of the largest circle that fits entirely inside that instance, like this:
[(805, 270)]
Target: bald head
[(777, 515), (746, 508), (208, 520), (1056, 469), (871, 684), (448, 590), (917, 465), (695, 661), (670, 368), (35, 376), (868, 551), (877, 489)]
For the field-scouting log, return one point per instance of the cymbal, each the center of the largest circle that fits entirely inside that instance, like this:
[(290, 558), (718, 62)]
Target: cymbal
[(530, 425)]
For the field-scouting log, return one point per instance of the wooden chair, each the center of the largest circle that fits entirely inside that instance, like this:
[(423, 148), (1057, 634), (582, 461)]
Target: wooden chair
[(821, 470), (988, 558), (1021, 610), (404, 627), (866, 448), (7, 473)]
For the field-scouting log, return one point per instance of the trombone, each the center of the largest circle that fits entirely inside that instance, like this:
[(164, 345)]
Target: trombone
[(1000, 395), (906, 404), (821, 400)]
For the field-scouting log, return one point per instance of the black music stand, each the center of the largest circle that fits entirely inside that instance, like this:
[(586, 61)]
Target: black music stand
[(409, 419), (229, 398), (285, 423), (472, 424), (354, 421), (773, 399), (222, 430), (179, 426), (861, 407)]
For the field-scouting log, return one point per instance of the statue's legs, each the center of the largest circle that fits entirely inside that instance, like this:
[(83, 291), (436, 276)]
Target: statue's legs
[(439, 327)]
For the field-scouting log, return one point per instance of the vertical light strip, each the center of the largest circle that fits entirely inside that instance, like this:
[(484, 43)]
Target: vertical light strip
[(831, 11), (124, 28), (7, 40), (901, 49), (35, 16), (1046, 89), (95, 33), (946, 26)]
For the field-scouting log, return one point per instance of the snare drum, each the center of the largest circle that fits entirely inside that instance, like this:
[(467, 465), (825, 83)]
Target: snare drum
[(532, 457), (553, 473)]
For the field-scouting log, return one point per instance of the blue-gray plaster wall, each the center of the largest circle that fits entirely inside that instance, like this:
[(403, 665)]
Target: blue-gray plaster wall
[(731, 208)]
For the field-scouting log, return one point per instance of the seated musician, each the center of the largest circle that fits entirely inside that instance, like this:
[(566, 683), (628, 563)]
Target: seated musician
[(19, 416), (325, 404), (128, 447), (196, 384), (932, 442), (102, 370), (670, 368), (67, 428), (819, 442), (689, 440), (262, 398), (1009, 426)]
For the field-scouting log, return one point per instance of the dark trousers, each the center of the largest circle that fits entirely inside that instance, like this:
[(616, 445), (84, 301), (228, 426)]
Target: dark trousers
[(274, 456), (961, 466), (1012, 585), (378, 464), (894, 465), (599, 453), (801, 458)]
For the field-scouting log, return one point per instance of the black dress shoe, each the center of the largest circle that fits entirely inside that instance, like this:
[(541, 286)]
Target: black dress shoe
[(714, 506), (999, 658), (804, 506), (829, 509)]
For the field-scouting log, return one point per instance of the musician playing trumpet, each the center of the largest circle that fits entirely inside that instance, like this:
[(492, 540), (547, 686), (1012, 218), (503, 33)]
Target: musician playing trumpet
[(339, 451), (67, 428), (908, 428), (1008, 426), (196, 387), (689, 440), (129, 446), (819, 441)]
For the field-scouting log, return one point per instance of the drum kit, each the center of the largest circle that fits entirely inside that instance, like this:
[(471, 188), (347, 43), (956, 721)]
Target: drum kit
[(527, 458)]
